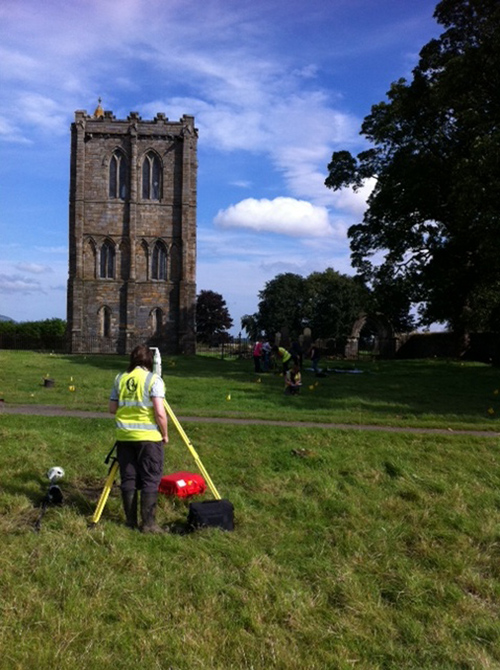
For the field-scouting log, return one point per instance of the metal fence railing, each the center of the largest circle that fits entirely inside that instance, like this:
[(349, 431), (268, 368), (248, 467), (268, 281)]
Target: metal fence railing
[(236, 348), (26, 343)]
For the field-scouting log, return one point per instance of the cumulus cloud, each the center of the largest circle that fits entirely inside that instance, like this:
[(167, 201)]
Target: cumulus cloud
[(351, 201), (285, 216)]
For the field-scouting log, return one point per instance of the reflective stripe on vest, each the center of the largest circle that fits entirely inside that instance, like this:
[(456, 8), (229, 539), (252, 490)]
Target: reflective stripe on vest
[(135, 417)]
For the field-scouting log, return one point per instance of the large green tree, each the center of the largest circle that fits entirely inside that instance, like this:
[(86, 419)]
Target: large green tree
[(212, 317), (335, 301), (327, 302), (250, 324), (282, 302), (434, 212)]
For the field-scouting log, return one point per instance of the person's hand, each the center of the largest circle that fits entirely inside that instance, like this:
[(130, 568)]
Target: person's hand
[(164, 439)]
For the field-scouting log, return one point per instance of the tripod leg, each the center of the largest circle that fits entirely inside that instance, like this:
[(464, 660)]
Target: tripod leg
[(192, 450), (39, 520), (105, 492)]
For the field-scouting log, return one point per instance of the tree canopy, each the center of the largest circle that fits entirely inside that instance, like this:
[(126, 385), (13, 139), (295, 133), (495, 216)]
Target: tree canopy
[(327, 302), (46, 334), (335, 301), (434, 212), (212, 317), (282, 303)]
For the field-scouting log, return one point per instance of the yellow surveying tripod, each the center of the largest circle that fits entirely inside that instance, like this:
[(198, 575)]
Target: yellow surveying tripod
[(114, 467)]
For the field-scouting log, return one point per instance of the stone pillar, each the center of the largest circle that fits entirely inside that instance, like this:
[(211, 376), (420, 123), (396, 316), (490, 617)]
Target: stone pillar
[(352, 348)]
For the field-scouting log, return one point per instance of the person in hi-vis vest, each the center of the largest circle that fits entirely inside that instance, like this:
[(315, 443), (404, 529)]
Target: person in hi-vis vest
[(137, 401)]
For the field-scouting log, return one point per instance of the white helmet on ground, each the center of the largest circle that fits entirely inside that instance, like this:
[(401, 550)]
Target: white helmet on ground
[(55, 473)]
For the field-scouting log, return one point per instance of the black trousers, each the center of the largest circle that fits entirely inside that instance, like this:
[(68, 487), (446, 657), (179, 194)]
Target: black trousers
[(141, 465)]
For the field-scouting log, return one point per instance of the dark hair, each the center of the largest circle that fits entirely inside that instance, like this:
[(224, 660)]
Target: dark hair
[(142, 356)]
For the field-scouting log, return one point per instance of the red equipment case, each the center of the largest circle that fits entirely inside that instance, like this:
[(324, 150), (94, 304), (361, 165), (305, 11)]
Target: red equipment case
[(182, 484)]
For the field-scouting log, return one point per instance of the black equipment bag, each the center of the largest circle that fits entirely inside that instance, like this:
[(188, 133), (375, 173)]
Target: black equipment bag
[(211, 513)]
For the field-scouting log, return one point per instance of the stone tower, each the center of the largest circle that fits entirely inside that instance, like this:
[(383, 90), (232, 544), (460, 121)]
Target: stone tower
[(132, 233)]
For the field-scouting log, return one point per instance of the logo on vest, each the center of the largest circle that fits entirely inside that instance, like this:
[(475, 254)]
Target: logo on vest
[(131, 385)]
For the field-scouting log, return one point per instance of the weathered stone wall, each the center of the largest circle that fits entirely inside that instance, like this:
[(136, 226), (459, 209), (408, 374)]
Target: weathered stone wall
[(484, 347), (132, 226)]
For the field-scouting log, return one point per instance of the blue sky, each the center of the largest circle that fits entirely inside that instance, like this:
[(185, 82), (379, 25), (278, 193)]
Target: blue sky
[(275, 86)]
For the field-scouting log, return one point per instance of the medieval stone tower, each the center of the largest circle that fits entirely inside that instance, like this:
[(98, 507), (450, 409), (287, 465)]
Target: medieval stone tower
[(132, 233)]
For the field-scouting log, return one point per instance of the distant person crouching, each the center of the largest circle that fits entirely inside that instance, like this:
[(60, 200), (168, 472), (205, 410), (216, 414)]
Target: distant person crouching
[(293, 380)]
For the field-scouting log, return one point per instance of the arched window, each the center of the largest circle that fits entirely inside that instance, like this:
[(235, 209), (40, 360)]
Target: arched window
[(159, 262), (89, 259), (105, 322), (157, 321), (107, 269), (151, 177), (118, 176)]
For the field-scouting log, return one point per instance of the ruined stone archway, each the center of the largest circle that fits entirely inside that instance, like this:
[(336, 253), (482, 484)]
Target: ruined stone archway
[(385, 342)]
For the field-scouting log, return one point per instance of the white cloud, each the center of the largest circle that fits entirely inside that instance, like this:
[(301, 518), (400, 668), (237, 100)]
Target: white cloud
[(19, 284), (353, 202), (11, 133), (284, 216), (34, 268), (52, 250), (43, 112), (241, 183), (307, 72)]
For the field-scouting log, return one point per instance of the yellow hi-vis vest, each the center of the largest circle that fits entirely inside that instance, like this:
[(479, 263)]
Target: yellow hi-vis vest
[(135, 417), (286, 355)]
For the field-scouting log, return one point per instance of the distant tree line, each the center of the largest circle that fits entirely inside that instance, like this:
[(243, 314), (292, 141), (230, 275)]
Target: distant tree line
[(47, 334), (326, 302)]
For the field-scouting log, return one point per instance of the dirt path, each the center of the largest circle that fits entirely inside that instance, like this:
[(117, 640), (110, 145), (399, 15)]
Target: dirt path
[(51, 410)]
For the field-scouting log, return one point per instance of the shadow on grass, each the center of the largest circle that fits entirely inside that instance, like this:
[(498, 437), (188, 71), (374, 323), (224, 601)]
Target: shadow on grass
[(83, 498)]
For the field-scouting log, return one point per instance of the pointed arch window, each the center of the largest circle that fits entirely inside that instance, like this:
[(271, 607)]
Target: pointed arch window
[(105, 321), (157, 321), (159, 261), (107, 266), (118, 176), (151, 177)]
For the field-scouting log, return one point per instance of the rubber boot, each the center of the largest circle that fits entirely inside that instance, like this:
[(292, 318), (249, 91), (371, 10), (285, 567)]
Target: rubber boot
[(148, 513), (129, 499)]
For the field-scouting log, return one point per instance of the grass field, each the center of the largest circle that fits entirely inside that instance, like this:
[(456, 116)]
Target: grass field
[(371, 550), (442, 394)]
